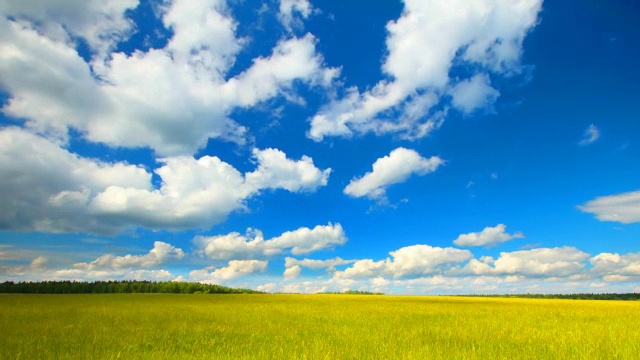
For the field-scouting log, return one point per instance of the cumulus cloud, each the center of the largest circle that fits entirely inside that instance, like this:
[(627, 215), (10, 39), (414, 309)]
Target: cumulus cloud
[(540, 262), (142, 99), (275, 171), (290, 9), (158, 255), (426, 262), (616, 267), (301, 241), (270, 287), (475, 93), (36, 265), (429, 40), (291, 273), (47, 188), (102, 25), (489, 236), (590, 135), (394, 168), (410, 261), (233, 270), (623, 208), (40, 269), (293, 267), (328, 264)]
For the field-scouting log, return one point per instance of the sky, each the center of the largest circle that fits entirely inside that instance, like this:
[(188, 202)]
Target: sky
[(404, 147)]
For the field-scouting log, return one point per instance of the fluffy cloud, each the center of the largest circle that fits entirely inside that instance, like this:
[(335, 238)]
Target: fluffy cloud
[(158, 255), (47, 188), (429, 40), (616, 267), (39, 269), (541, 262), (394, 168), (143, 99), (234, 269), (469, 95), (590, 135), (423, 261), (300, 241), (623, 208), (275, 171), (410, 261), (329, 264), (36, 265), (289, 9), (102, 25), (292, 272), (270, 287), (293, 267), (488, 237)]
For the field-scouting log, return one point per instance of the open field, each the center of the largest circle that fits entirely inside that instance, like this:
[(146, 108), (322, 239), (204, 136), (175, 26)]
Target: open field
[(163, 326)]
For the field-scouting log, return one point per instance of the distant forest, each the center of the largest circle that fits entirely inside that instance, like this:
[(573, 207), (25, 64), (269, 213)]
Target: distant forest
[(584, 296), (118, 287), (171, 287)]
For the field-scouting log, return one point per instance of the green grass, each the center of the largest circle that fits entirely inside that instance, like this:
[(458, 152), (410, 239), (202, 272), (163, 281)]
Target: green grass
[(163, 326)]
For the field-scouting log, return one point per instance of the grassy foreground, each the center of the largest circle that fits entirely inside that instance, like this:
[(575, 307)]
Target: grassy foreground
[(164, 326)]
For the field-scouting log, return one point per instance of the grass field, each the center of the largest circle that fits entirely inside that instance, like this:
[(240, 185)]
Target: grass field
[(162, 326)]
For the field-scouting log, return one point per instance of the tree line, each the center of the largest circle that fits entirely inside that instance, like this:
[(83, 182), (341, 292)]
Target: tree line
[(580, 296), (352, 292), (118, 287)]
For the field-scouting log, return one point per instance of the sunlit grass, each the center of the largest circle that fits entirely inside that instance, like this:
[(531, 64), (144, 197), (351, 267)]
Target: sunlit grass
[(162, 326)]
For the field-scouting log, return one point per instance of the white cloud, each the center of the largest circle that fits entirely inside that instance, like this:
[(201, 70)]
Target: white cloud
[(590, 135), (291, 273), (289, 9), (623, 208), (305, 287), (425, 262), (234, 269), (36, 265), (204, 34), (475, 93), (204, 191), (428, 40), (329, 264), (305, 240), (424, 259), (290, 60), (541, 262), (40, 269), (160, 254), (47, 188), (300, 241), (489, 236), (101, 24), (410, 261), (394, 168), (270, 287), (143, 99), (616, 267), (275, 171)]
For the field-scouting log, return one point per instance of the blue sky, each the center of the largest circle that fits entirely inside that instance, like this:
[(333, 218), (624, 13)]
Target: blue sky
[(416, 147)]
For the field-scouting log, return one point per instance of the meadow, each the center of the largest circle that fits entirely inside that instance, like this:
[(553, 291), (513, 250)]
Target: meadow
[(167, 326)]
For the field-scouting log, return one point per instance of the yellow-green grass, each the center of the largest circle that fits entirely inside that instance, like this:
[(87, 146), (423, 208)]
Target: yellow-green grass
[(164, 326)]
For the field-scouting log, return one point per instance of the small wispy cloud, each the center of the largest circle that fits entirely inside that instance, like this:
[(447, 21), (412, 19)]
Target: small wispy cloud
[(590, 135)]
